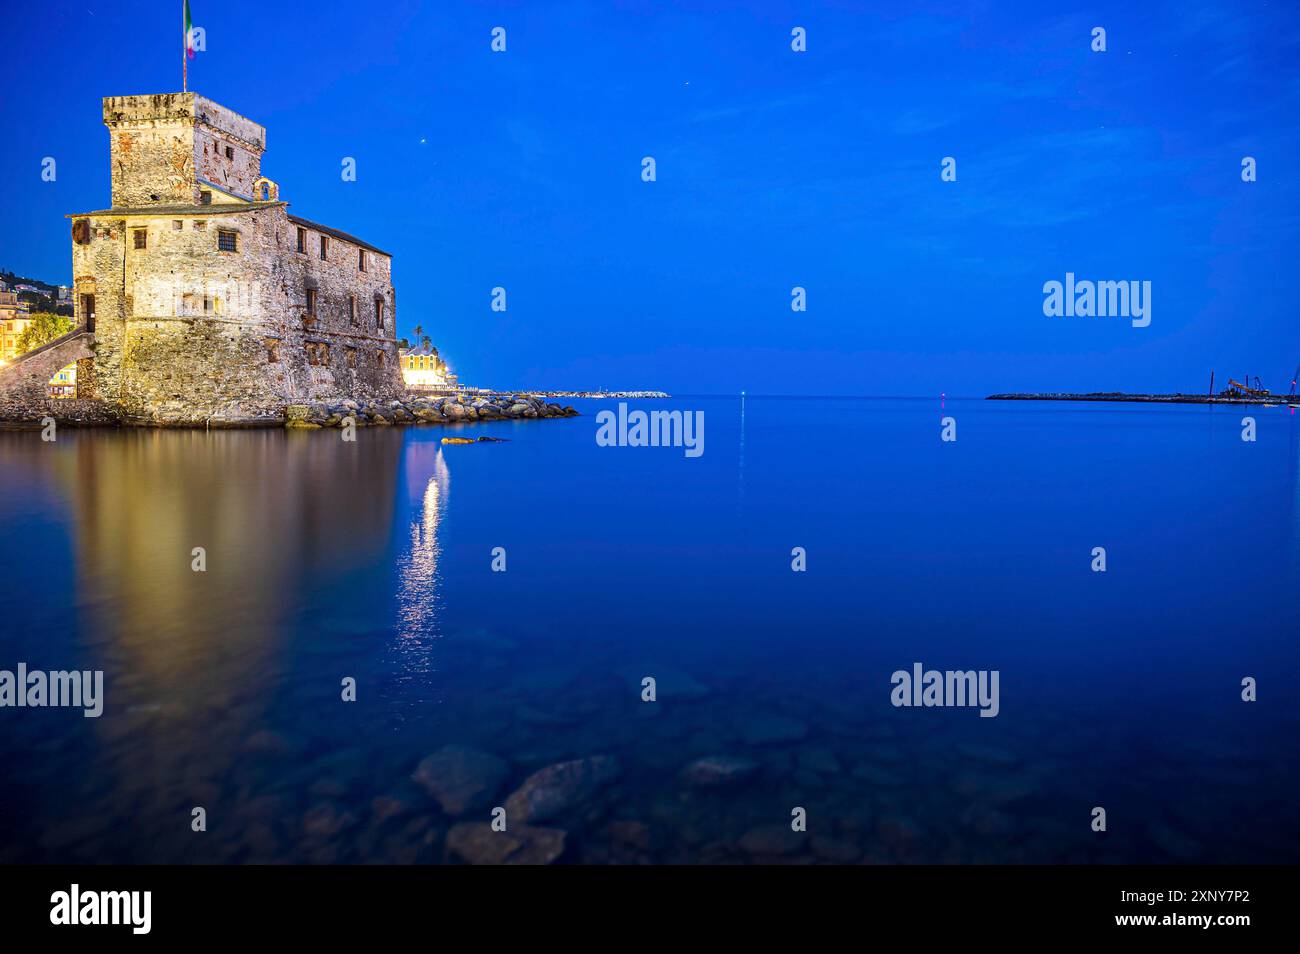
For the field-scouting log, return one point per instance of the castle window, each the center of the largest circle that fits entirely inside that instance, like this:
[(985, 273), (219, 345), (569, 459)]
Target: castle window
[(361, 259), (230, 153), (318, 353), (272, 350), (200, 225), (140, 236), (302, 240), (227, 241), (324, 247), (81, 231), (177, 225), (207, 302), (352, 309), (379, 314), (311, 301), (351, 355), (379, 358), (205, 197)]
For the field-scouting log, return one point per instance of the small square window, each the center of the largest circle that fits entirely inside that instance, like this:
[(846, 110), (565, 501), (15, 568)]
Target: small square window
[(227, 240), (141, 237), (230, 153), (177, 225), (200, 225), (205, 198)]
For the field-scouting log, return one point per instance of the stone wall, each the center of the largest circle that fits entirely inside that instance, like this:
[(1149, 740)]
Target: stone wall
[(24, 384), (97, 269), (190, 334)]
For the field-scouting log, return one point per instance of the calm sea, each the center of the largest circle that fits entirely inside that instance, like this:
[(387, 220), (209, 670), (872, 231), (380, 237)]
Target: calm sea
[(373, 561)]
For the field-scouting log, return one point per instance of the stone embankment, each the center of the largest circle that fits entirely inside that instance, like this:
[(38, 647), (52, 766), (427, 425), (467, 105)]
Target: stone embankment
[(461, 409)]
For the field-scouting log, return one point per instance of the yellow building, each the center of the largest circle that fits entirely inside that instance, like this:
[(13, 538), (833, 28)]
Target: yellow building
[(64, 382), (14, 319), (424, 368)]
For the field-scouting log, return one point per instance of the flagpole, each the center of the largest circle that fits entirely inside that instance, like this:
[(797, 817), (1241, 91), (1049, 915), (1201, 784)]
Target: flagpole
[(185, 66)]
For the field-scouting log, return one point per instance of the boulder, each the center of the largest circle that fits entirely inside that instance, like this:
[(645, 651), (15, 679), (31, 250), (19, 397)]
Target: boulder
[(478, 844), (560, 788), (461, 778), (714, 771)]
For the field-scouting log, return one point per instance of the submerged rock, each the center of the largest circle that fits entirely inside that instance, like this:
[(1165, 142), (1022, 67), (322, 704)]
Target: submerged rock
[(461, 778), (670, 684), (326, 821), (478, 844), (560, 788), (716, 770), (773, 840)]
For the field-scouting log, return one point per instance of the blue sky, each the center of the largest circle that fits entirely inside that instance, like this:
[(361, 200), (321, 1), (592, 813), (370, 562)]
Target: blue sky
[(775, 169)]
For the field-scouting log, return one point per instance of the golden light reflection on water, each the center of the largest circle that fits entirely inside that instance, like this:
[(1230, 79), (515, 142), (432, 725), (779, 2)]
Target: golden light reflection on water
[(297, 531), (418, 598)]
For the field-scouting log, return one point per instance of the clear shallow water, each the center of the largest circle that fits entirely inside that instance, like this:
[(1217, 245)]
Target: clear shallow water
[(373, 561)]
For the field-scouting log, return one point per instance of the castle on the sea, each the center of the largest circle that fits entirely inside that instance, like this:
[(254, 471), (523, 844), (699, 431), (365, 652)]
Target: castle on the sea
[(198, 296)]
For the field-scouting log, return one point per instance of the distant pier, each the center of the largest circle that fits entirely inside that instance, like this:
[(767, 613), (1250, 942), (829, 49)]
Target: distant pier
[(1271, 400)]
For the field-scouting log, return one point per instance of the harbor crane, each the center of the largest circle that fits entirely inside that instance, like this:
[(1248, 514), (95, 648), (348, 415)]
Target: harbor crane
[(1245, 390)]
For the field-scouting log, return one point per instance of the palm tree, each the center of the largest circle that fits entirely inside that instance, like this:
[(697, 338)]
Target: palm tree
[(418, 329)]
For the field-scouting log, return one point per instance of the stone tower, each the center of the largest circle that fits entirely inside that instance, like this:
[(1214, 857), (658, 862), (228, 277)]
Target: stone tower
[(172, 147)]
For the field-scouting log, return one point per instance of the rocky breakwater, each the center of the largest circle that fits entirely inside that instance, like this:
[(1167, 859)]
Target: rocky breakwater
[(461, 409)]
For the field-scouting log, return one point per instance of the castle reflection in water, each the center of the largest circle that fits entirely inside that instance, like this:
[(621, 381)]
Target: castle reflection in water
[(298, 533)]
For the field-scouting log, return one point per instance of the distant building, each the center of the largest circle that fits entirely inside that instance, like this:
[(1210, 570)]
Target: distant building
[(64, 382), (65, 295), (424, 368), (14, 319)]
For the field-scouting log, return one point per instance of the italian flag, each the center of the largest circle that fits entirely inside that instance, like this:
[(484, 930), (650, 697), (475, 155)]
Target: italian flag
[(189, 31)]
